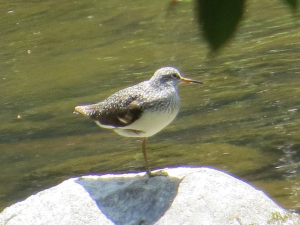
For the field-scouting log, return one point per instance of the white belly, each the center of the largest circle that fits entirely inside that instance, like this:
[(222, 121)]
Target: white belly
[(148, 124)]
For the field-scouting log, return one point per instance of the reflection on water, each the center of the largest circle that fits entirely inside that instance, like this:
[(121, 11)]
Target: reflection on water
[(55, 55), (290, 167)]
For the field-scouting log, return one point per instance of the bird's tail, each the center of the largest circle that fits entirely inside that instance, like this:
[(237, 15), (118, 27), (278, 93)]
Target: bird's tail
[(86, 110)]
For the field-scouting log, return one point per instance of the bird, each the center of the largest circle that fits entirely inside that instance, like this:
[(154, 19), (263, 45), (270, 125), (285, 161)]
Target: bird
[(141, 110)]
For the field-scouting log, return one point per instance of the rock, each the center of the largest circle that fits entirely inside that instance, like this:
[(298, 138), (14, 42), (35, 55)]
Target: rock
[(188, 196)]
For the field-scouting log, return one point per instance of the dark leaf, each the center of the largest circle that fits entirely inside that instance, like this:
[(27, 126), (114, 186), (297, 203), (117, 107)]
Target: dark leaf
[(219, 19), (293, 4)]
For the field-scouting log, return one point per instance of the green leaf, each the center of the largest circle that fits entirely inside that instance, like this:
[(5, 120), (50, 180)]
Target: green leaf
[(293, 4), (219, 19)]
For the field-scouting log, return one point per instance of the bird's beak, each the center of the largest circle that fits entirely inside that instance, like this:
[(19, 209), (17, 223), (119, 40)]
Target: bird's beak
[(187, 80)]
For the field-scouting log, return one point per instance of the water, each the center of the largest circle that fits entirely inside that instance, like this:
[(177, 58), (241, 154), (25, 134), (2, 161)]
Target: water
[(55, 55)]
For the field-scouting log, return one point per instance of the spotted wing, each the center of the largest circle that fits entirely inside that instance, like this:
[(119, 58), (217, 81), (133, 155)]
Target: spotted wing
[(115, 111)]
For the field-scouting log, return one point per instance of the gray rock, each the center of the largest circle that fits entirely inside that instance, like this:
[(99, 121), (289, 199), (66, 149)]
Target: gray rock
[(188, 196)]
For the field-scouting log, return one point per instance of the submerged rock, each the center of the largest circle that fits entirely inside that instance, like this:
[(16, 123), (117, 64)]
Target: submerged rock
[(186, 196)]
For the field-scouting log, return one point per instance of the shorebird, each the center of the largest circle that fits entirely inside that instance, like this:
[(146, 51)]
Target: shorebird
[(141, 110)]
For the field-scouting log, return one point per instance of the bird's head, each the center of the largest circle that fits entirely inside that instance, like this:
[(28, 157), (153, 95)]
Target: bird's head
[(170, 76)]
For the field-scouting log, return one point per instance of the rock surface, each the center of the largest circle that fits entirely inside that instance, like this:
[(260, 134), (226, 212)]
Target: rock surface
[(188, 196)]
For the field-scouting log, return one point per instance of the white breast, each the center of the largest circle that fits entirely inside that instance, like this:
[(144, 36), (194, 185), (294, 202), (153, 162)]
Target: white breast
[(148, 124), (153, 120)]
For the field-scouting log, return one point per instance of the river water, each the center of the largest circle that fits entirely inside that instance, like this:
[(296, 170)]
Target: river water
[(57, 54)]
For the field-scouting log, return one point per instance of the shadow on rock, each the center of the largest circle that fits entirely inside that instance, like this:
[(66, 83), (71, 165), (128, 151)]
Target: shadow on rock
[(134, 200)]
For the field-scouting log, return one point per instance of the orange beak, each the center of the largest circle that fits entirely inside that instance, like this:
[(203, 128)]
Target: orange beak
[(187, 80)]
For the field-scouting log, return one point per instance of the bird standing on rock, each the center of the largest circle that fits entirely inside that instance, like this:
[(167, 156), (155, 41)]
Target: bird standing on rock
[(141, 110)]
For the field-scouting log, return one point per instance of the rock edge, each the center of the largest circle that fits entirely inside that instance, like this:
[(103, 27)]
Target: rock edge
[(187, 196)]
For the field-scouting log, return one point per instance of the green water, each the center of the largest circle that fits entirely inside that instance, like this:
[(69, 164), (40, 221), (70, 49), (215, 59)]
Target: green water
[(55, 55)]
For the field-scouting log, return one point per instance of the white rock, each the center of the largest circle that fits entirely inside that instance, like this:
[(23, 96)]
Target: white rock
[(192, 196)]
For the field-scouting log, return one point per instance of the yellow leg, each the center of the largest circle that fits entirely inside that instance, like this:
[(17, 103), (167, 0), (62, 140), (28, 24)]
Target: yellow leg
[(145, 157)]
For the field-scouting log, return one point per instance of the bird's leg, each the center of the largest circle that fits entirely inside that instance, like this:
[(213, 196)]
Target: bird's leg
[(145, 157), (150, 174)]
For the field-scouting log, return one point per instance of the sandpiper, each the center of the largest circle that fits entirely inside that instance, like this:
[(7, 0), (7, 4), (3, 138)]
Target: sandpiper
[(141, 110)]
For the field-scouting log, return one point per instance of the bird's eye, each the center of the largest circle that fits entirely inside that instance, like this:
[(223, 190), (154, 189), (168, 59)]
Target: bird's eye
[(174, 75)]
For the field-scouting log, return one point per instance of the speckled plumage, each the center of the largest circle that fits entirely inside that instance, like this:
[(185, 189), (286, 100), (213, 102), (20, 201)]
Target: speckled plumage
[(156, 97), (141, 110)]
